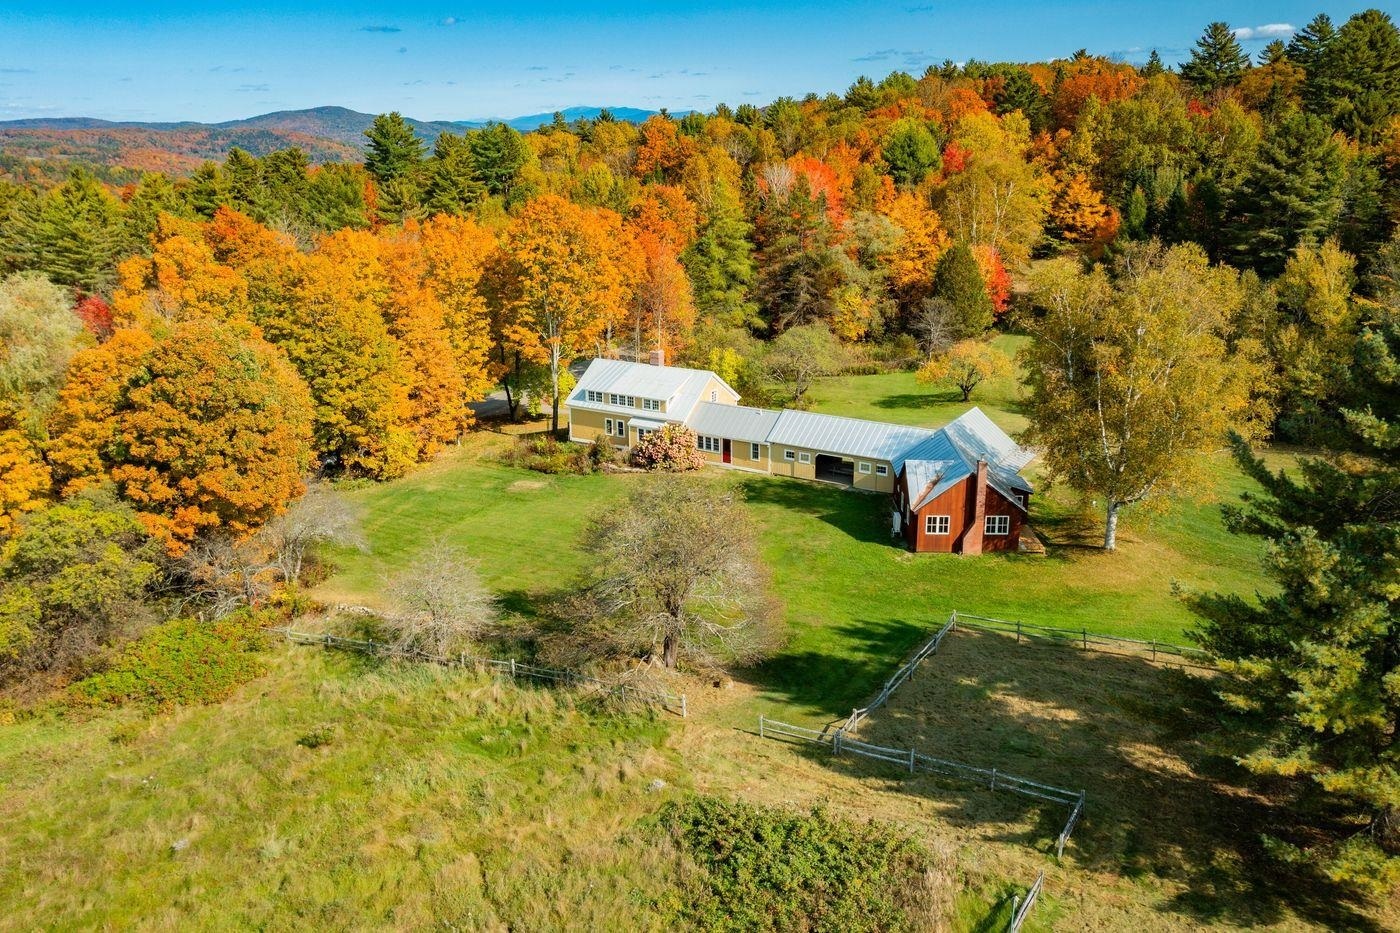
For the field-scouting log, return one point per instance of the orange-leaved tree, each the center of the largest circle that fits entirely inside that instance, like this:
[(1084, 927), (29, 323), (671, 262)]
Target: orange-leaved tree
[(557, 284), (208, 429), (181, 280)]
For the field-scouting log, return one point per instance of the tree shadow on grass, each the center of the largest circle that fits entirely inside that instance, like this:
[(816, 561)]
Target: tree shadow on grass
[(1152, 748), (823, 686), (862, 516), (917, 400)]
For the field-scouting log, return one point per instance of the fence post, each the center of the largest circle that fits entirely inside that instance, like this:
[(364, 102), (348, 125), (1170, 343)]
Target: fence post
[(836, 743), (683, 710), (760, 726), (911, 760), (512, 667), (994, 779), (1154, 649), (1086, 639), (1018, 631), (1015, 907), (853, 721)]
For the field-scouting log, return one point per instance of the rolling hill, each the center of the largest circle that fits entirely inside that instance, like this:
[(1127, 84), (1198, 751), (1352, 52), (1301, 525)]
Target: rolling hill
[(328, 134)]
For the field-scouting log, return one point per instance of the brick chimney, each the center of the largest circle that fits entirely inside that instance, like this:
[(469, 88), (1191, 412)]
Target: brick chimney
[(657, 358), (972, 540)]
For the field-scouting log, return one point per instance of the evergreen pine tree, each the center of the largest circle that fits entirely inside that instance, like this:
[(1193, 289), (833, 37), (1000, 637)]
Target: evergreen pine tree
[(1292, 193), (1312, 665), (1355, 83), (498, 153), (1153, 67), (720, 262), (453, 187), (1274, 53), (1307, 45), (958, 283), (395, 151), (1217, 61), (73, 234)]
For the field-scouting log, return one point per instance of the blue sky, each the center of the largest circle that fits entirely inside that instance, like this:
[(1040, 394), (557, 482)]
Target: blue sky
[(220, 60)]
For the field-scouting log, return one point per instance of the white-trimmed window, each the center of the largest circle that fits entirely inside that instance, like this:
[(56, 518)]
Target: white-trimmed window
[(789, 455), (714, 395), (864, 467), (804, 457), (708, 444), (621, 427), (1020, 500), (608, 426), (626, 401), (997, 525), (643, 432), (651, 404), (753, 451), (881, 470), (937, 524), (595, 396)]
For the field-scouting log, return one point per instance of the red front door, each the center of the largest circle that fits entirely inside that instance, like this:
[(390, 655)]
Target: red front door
[(726, 450)]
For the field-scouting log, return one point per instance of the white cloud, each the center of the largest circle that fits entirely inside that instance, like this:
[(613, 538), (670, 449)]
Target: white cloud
[(1267, 31)]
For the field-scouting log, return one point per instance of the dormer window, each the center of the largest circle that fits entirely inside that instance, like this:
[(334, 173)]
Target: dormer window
[(651, 404), (594, 396)]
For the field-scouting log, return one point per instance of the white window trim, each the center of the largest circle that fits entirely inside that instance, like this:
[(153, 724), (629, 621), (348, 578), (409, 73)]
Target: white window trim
[(1021, 500), (621, 427), (881, 470), (932, 523), (804, 457), (789, 455), (992, 522), (711, 445), (753, 451), (650, 404), (714, 395), (593, 395), (608, 427), (863, 467)]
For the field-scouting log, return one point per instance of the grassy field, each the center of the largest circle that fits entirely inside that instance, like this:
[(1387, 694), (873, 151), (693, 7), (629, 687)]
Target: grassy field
[(853, 599), (1166, 810), (444, 800)]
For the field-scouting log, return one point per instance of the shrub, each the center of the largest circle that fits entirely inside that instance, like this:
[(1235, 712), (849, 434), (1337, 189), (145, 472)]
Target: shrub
[(671, 449), (770, 869), (545, 454), (180, 663)]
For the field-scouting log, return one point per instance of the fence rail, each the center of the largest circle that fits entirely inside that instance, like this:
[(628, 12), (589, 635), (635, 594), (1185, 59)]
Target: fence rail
[(1021, 908), (1157, 651), (510, 666), (916, 762), (906, 670)]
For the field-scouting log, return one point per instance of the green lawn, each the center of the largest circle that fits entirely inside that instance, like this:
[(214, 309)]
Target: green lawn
[(854, 601)]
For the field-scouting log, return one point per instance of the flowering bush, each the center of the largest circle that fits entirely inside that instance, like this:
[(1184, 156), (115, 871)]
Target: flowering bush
[(671, 449)]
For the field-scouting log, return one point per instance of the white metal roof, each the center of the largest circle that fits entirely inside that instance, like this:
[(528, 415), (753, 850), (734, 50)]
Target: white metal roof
[(736, 422), (851, 437), (678, 387)]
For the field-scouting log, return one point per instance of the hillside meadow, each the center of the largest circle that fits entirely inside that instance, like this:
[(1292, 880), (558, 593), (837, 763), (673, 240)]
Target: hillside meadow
[(340, 791)]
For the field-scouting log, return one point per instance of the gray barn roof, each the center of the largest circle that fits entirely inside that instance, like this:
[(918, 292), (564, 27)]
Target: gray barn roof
[(851, 437), (736, 422)]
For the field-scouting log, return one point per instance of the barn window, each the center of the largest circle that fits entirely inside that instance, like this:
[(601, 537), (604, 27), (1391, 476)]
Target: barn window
[(881, 470), (789, 455), (998, 525), (753, 451), (864, 468), (937, 524), (804, 457)]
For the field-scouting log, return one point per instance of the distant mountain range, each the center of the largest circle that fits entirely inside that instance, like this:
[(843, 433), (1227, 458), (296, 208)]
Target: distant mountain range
[(327, 134)]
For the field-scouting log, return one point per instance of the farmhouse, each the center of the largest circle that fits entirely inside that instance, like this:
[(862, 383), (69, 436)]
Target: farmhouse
[(957, 489)]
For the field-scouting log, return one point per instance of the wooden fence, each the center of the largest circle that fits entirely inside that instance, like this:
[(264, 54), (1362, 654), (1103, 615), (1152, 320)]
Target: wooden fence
[(1158, 652), (917, 762), (1020, 909), (515, 669), (905, 671)]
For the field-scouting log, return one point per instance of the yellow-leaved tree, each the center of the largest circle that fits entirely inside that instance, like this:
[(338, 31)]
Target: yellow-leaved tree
[(557, 283), (1131, 380)]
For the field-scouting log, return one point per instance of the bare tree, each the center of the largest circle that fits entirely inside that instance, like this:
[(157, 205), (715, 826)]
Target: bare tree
[(322, 516), (932, 326), (439, 604), (676, 576), (219, 573)]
